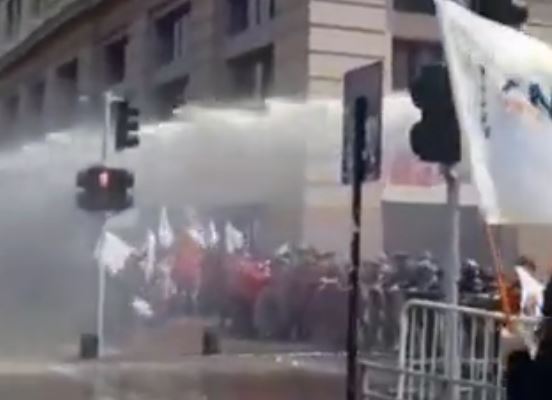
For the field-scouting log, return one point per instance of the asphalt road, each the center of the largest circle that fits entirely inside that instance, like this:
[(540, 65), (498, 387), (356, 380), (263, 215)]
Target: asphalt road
[(225, 377)]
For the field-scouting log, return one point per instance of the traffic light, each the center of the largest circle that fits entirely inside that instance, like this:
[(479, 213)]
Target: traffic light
[(507, 12), (104, 189), (126, 122), (436, 138)]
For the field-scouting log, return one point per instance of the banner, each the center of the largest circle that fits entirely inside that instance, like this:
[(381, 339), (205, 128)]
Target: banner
[(502, 84)]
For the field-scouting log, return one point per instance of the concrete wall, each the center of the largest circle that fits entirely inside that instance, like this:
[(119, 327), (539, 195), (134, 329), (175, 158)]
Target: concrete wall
[(345, 35), (540, 20)]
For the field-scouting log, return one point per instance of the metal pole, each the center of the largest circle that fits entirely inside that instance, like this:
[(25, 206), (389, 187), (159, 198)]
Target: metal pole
[(107, 126), (452, 274), (101, 299), (100, 308), (356, 214)]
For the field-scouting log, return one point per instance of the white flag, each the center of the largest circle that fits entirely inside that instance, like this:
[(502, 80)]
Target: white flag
[(112, 252), (532, 293), (197, 233), (283, 250), (151, 248), (168, 288), (213, 236), (235, 240), (502, 84), (196, 230), (142, 308), (166, 234)]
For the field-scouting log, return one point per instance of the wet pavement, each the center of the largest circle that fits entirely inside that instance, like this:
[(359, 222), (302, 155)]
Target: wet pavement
[(225, 377)]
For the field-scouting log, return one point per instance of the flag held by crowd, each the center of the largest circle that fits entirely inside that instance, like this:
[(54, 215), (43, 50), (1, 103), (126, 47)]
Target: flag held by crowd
[(165, 231), (235, 240), (502, 85), (151, 249), (112, 252), (532, 293)]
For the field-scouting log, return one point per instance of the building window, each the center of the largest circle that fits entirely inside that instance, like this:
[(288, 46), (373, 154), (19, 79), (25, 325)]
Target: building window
[(253, 74), (115, 61), (169, 97), (415, 6), (13, 17), (409, 56), (238, 16), (172, 35)]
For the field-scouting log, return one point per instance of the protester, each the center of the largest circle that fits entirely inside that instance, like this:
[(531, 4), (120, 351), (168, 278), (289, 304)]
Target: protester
[(529, 378)]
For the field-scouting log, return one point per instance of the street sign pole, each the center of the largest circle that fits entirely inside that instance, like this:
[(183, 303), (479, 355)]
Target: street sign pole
[(361, 162), (361, 112)]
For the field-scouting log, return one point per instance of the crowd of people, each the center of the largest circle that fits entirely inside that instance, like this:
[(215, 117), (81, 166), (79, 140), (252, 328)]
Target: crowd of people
[(298, 293), (301, 294), (388, 282)]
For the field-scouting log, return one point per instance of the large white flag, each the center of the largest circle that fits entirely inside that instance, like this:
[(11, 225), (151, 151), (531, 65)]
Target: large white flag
[(502, 84), (112, 252), (166, 234)]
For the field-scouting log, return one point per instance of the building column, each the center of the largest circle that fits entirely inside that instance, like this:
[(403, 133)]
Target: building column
[(209, 73), (140, 65), (90, 94), (4, 40), (51, 101), (252, 13), (27, 18)]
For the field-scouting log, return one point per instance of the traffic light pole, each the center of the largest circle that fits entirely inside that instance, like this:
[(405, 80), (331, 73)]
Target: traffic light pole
[(452, 275), (107, 126), (100, 307), (452, 270), (101, 295)]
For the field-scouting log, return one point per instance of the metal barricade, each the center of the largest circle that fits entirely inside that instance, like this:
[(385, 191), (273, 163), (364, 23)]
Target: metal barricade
[(428, 369)]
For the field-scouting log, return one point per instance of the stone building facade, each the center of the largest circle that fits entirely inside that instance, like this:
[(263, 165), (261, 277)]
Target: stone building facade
[(58, 57)]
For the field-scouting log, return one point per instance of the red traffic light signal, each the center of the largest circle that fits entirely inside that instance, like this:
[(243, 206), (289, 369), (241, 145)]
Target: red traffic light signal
[(104, 188), (103, 179)]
